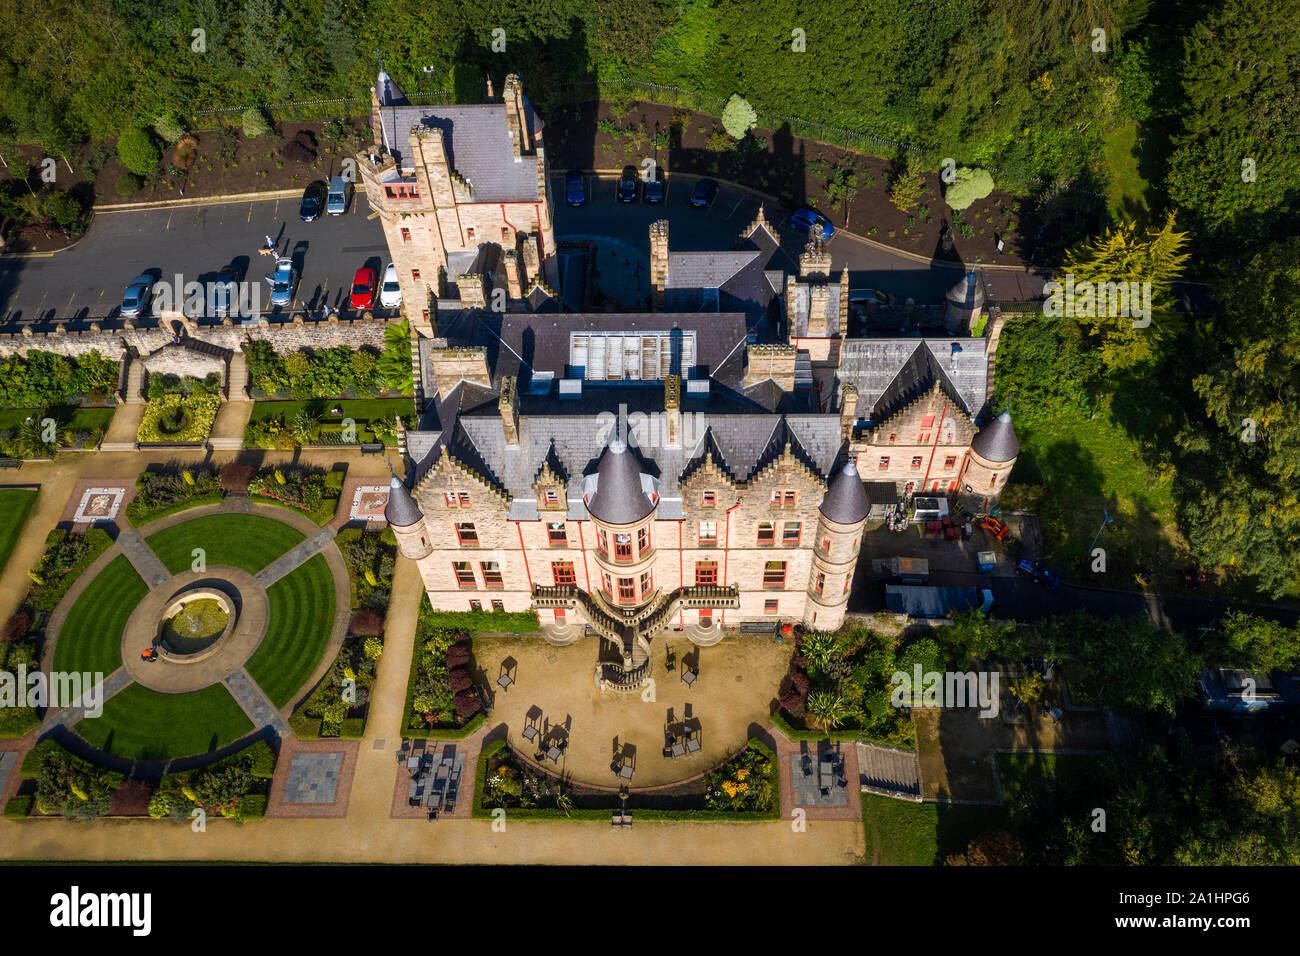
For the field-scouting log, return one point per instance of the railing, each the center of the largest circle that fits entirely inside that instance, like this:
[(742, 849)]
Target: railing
[(616, 678), (624, 629)]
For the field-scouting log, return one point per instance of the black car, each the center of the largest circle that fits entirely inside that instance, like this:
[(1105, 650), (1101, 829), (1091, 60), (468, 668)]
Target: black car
[(627, 185), (313, 201), (705, 191), (654, 191)]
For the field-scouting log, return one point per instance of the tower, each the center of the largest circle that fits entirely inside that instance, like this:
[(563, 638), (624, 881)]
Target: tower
[(407, 521), (840, 521), (993, 453), (964, 304)]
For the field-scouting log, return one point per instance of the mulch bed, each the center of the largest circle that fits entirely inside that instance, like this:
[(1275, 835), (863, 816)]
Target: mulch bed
[(130, 800)]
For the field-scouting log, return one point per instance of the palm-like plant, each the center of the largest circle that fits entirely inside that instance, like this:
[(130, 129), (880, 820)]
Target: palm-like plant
[(38, 437), (394, 364), (829, 708), (303, 428)]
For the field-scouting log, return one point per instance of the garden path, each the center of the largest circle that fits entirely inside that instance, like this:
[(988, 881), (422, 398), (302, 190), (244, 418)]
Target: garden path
[(142, 558), (296, 556), (71, 715), (254, 703)]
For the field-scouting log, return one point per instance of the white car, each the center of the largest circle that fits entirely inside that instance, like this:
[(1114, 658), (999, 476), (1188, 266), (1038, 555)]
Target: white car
[(390, 293)]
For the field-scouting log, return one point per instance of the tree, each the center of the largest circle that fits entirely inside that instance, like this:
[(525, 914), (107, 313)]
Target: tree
[(980, 636), (169, 127), (1258, 643), (138, 151), (255, 123), (64, 210), (738, 117), (1132, 326), (967, 186), (907, 186)]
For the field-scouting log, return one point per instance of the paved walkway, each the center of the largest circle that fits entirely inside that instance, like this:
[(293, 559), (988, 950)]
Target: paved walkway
[(71, 715), (142, 558), (255, 704), (295, 557)]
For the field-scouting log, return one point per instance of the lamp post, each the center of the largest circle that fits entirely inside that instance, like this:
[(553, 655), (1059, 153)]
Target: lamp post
[(1107, 518)]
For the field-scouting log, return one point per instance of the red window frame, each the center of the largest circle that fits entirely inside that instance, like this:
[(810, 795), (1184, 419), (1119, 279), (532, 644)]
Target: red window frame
[(771, 606), (647, 582), (491, 574), (466, 532), (403, 191), (826, 542), (774, 574), (848, 579), (916, 461), (626, 590), (643, 540), (950, 461), (556, 533), (498, 605), (710, 539), (708, 498), (406, 234), (789, 498), (475, 605), (464, 573), (819, 583), (552, 497), (786, 538), (622, 549), (562, 573), (602, 542), (770, 538), (706, 573), (884, 461)]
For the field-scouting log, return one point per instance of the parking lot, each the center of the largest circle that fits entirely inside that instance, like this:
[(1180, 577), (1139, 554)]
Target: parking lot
[(86, 282)]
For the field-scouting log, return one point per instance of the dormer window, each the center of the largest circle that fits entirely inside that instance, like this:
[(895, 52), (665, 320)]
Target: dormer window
[(552, 497), (708, 499)]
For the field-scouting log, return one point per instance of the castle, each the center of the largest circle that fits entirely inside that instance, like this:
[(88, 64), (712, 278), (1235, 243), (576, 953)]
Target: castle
[(710, 464)]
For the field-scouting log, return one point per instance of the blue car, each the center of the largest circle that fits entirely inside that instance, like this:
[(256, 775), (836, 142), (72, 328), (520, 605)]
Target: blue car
[(804, 219), (705, 191), (575, 188)]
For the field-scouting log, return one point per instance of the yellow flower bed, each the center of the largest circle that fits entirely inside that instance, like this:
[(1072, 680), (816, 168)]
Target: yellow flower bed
[(201, 409)]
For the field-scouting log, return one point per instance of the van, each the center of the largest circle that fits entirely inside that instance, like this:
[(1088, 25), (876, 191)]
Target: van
[(340, 193)]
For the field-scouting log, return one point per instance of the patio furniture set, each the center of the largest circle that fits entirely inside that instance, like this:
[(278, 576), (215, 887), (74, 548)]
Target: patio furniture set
[(681, 739), (435, 781), (830, 772)]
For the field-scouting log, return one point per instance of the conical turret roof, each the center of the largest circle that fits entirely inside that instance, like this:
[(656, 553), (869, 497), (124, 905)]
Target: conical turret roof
[(967, 293), (619, 497), (997, 440), (401, 510), (846, 500)]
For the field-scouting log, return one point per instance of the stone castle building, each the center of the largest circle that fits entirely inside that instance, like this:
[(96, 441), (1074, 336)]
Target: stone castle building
[(464, 196), (706, 465)]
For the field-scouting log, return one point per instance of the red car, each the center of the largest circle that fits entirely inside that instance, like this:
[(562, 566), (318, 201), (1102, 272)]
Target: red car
[(363, 288)]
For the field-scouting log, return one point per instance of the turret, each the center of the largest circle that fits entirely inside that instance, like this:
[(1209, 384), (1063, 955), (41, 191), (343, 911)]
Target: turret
[(407, 521), (842, 515), (993, 454), (964, 304)]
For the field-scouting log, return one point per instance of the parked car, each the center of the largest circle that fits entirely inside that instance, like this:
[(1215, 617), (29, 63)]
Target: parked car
[(1041, 573), (705, 191), (804, 219), (340, 194), (390, 293), (223, 297), (627, 185), (135, 300), (654, 191), (283, 281), (313, 201), (363, 288), (575, 188)]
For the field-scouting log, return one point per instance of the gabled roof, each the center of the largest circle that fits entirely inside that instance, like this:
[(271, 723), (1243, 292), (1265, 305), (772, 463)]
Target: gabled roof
[(888, 373), (716, 282)]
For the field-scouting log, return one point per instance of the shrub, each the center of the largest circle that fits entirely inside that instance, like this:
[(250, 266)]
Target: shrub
[(260, 758), (138, 151), (459, 679), (255, 123), (457, 655), (738, 117), (907, 185), (334, 481), (367, 623), (169, 127), (19, 806), (373, 648), (467, 704), (64, 210), (128, 184), (17, 626), (799, 681), (353, 728), (252, 806), (968, 186)]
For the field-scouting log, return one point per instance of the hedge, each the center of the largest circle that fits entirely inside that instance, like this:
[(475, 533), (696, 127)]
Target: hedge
[(782, 724), (20, 806), (455, 733), (479, 812), (252, 806), (508, 621), (307, 728), (46, 597), (353, 728)]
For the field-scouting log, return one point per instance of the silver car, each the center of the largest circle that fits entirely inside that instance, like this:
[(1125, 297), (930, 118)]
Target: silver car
[(340, 192), (135, 300), (283, 281)]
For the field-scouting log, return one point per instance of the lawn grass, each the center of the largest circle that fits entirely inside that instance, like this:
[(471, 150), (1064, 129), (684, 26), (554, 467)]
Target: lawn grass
[(73, 417), (142, 724), (250, 542), (1126, 196), (902, 833), (15, 505), (301, 618), (1091, 465), (91, 638)]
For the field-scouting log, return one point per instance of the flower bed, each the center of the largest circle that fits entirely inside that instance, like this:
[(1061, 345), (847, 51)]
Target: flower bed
[(312, 492), (163, 493), (235, 787), (178, 418), (66, 556), (68, 785), (440, 691)]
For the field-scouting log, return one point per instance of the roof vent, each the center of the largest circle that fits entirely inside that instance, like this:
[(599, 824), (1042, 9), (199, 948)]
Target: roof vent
[(697, 386), (570, 388)]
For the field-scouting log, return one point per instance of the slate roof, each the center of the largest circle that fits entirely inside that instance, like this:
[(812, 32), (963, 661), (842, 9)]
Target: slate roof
[(800, 307), (716, 282), (478, 144), (967, 293), (997, 440), (401, 510), (889, 373), (846, 500), (619, 497)]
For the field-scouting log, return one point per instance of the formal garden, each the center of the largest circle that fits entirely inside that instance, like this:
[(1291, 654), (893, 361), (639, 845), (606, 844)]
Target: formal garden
[(339, 705), (312, 492), (166, 721), (50, 401), (56, 782), (180, 410), (440, 696)]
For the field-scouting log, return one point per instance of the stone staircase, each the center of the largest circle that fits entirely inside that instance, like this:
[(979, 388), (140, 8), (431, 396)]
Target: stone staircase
[(133, 390), (237, 378), (889, 771)]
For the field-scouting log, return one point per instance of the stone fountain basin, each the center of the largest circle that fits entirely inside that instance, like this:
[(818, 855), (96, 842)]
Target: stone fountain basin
[(197, 594)]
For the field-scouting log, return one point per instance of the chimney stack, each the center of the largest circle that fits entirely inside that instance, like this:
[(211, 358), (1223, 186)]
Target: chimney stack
[(658, 261), (508, 404)]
